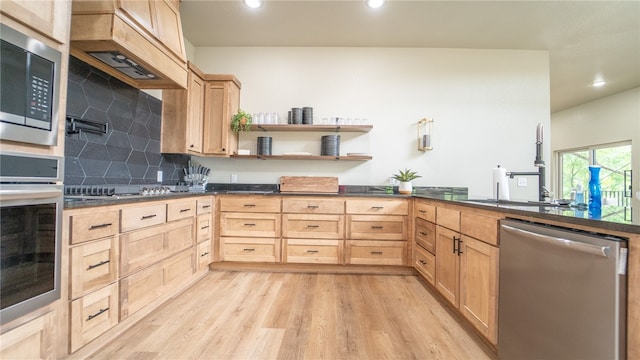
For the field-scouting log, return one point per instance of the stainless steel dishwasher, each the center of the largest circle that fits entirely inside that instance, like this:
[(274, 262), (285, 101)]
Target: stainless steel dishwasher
[(562, 293)]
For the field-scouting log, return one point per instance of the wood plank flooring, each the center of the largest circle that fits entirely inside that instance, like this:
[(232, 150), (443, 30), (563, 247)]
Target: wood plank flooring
[(261, 315)]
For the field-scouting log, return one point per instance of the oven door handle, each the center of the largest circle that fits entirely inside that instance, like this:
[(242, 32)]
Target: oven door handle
[(29, 194)]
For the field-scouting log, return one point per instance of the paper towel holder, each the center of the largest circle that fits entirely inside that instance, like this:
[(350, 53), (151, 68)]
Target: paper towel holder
[(425, 134)]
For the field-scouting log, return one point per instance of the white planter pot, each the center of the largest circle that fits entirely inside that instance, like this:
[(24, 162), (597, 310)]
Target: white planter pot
[(405, 188)]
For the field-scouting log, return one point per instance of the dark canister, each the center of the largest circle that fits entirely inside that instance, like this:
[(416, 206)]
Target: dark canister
[(307, 115), (296, 115), (330, 145), (264, 145)]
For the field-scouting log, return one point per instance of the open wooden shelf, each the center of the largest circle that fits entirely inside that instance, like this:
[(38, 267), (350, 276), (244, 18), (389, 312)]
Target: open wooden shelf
[(332, 128), (303, 157)]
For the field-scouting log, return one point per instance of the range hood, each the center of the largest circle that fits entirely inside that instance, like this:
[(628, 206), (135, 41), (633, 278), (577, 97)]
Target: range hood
[(138, 42)]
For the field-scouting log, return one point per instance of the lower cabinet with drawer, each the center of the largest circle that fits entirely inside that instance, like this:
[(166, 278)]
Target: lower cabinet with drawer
[(313, 251), (250, 249), (377, 231), (128, 259)]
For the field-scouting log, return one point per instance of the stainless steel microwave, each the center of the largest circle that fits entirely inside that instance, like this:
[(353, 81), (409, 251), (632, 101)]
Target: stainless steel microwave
[(29, 89)]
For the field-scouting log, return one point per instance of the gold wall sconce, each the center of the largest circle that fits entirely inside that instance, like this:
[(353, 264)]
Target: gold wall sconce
[(425, 134)]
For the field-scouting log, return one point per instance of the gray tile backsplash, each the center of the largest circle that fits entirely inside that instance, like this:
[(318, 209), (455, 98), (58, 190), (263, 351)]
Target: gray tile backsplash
[(130, 152)]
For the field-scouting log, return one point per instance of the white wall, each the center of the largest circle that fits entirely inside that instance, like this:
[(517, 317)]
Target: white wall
[(486, 104), (608, 120)]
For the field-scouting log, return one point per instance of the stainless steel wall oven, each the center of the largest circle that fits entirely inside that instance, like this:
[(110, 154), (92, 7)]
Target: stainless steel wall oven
[(31, 201)]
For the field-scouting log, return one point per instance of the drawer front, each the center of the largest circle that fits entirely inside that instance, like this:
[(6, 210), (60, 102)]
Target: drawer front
[(251, 249), (377, 227), (311, 251), (204, 255), (204, 205), (139, 289), (483, 228), (144, 247), (378, 206), (93, 265), (93, 314), (181, 209), (142, 216), (204, 227), (95, 225), (377, 252), (426, 264), (265, 204), (313, 226), (312, 206), (242, 224), (426, 235), (448, 218), (425, 211)]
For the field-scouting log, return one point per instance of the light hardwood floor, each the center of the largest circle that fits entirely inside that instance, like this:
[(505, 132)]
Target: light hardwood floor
[(261, 315)]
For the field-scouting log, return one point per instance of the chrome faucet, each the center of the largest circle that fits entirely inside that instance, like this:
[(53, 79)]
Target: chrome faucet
[(543, 193)]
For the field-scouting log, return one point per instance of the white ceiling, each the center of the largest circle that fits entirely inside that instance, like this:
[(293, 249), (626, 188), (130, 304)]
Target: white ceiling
[(586, 40)]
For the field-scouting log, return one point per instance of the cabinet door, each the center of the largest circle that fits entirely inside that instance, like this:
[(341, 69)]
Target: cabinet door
[(204, 255), (222, 101), (377, 206), (447, 264), (142, 216), (367, 252), (94, 225), (141, 12), (250, 249), (250, 225), (180, 209), (377, 227), (313, 226), (312, 251), (51, 17), (259, 204), (479, 286), (33, 340), (169, 27)]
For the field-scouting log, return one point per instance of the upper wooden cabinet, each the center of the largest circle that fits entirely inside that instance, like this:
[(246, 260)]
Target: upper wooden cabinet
[(183, 116), (198, 120), (147, 32), (221, 102), (49, 18)]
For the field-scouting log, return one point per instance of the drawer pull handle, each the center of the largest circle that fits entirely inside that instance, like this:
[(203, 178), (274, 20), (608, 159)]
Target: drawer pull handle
[(204, 254), (249, 224), (206, 206), (377, 207), (184, 210), (97, 314), (93, 227), (248, 249), (377, 227), (92, 266), (148, 217), (423, 262), (312, 206), (422, 211), (423, 233), (249, 205), (376, 253), (312, 251), (313, 226), (204, 227)]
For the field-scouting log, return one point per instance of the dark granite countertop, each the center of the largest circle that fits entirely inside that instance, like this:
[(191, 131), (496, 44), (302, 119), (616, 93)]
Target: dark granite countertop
[(455, 195)]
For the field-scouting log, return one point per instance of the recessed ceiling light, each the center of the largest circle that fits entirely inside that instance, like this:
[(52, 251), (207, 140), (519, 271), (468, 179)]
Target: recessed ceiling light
[(254, 4), (598, 83), (374, 4)]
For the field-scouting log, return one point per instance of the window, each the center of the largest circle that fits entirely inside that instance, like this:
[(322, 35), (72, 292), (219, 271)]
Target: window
[(615, 177)]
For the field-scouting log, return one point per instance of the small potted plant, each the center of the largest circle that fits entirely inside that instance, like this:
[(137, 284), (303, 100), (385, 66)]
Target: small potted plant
[(405, 178), (240, 122)]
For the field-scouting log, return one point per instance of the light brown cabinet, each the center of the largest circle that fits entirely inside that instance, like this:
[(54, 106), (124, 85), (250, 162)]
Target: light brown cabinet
[(93, 265), (50, 18), (466, 269), (221, 102), (204, 233), (426, 264), (93, 314), (313, 230), (250, 228), (33, 340), (183, 116), (377, 231)]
